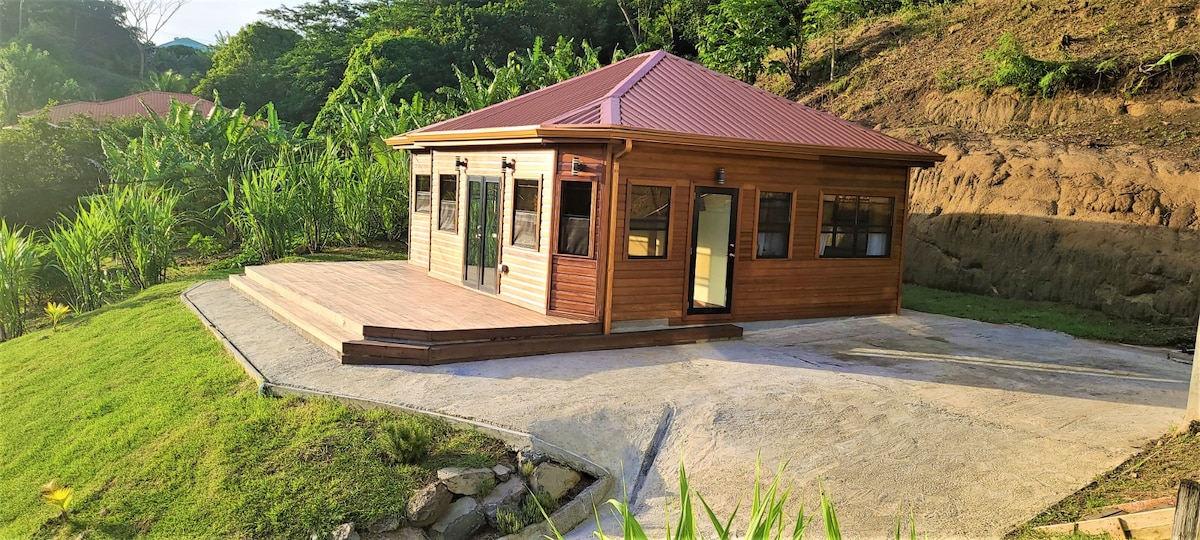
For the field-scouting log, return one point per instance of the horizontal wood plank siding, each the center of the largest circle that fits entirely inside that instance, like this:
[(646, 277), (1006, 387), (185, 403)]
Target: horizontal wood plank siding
[(418, 223), (526, 283), (798, 287)]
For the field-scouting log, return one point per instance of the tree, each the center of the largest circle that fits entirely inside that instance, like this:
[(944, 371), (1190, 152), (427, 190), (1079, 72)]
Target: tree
[(28, 79), (417, 64), (831, 17), (738, 34), (148, 18), (246, 69)]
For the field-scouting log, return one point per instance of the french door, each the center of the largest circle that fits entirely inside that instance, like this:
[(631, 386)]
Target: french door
[(481, 267)]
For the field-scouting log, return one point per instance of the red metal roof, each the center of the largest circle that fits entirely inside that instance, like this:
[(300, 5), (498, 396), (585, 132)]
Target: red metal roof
[(659, 91), (158, 102)]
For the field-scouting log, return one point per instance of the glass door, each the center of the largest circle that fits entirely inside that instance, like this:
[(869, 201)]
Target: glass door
[(714, 230), (483, 233)]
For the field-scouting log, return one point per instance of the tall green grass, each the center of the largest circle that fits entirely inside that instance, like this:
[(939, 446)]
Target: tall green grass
[(144, 225), (260, 208), (80, 247), (18, 265)]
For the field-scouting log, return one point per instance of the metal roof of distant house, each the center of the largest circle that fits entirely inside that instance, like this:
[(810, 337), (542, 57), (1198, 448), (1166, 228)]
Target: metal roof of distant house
[(185, 42), (658, 96), (136, 105)]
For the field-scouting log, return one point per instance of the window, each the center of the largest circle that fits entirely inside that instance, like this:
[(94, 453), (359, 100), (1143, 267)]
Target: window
[(448, 207), (525, 214), (423, 200), (856, 226), (575, 218), (649, 220), (774, 224)]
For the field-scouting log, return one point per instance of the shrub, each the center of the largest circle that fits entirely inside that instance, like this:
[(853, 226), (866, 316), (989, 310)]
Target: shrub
[(56, 312), (314, 175), (80, 247), (405, 441), (143, 219), (18, 264), (260, 208), (58, 497), (1011, 66)]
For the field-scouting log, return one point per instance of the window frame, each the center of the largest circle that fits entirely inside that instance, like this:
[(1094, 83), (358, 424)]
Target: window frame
[(670, 186), (791, 229), (558, 206), (443, 177), (416, 184), (897, 198), (537, 215)]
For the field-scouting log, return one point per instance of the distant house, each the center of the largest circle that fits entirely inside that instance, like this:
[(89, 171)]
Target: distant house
[(654, 189), (141, 104), (185, 42)]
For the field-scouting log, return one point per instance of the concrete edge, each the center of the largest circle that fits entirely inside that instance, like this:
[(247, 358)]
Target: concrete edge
[(573, 513), (576, 511)]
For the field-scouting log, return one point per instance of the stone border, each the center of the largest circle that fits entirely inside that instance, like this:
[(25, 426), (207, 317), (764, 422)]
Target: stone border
[(570, 515)]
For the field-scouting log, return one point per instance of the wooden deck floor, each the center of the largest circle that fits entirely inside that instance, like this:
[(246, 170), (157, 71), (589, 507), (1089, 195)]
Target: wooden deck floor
[(389, 312)]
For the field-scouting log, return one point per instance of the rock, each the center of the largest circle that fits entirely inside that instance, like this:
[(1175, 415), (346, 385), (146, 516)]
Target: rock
[(531, 456), (1174, 23), (507, 495), (554, 479), (462, 519), (344, 531), (465, 481), (385, 523), (502, 472), (955, 28), (428, 504), (407, 533)]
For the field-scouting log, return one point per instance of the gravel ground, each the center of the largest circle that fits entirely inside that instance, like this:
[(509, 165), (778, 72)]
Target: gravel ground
[(973, 427)]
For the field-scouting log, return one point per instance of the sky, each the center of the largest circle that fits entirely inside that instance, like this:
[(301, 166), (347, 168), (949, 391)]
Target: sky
[(202, 19)]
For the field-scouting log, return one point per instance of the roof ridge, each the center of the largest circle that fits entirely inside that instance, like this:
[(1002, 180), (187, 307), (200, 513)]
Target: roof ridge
[(574, 112), (611, 102)]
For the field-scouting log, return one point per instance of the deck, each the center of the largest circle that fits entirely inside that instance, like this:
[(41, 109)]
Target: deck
[(387, 312)]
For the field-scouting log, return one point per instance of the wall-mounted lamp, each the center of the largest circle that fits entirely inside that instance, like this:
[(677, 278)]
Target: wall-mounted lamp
[(721, 176), (459, 162), (577, 167), (505, 163)]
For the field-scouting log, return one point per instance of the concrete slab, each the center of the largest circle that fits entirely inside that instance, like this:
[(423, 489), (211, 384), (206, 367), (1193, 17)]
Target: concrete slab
[(974, 427)]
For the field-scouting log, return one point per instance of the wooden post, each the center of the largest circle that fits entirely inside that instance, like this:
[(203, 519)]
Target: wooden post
[(1193, 402), (1187, 512)]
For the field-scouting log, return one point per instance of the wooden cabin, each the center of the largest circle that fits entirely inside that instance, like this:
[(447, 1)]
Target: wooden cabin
[(655, 189)]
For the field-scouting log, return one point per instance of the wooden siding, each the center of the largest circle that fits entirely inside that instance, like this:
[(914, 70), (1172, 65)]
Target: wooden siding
[(419, 222), (574, 281), (525, 283), (800, 286)]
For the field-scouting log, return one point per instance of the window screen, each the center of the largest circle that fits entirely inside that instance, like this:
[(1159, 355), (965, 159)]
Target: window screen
[(575, 218), (422, 201), (525, 214), (774, 224), (649, 221), (856, 226), (448, 203)]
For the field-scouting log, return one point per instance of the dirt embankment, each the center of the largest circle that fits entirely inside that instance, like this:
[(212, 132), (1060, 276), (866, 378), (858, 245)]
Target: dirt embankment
[(1104, 228), (1091, 197)]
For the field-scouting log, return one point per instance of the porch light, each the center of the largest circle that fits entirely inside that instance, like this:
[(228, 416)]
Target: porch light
[(721, 176), (459, 162), (577, 167)]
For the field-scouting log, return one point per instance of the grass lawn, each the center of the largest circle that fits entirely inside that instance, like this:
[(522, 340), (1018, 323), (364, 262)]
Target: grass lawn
[(140, 410), (1078, 322), (1155, 472)]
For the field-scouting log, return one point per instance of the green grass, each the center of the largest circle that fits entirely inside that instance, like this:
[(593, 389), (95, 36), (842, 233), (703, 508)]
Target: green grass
[(1075, 321), (140, 410)]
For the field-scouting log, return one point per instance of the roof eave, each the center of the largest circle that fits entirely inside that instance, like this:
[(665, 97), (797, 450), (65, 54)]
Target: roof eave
[(537, 134)]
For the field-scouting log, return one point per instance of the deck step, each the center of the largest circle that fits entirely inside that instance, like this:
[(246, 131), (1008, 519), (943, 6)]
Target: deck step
[(264, 277), (370, 351), (317, 328)]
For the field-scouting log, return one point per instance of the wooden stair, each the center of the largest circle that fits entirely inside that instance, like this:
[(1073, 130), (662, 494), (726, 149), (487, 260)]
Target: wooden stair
[(353, 342)]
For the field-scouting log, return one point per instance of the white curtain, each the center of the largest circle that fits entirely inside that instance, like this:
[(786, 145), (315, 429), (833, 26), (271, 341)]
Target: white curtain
[(876, 244), (826, 238)]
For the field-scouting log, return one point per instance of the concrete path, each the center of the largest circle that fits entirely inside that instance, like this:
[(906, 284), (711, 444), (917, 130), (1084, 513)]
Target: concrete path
[(975, 427)]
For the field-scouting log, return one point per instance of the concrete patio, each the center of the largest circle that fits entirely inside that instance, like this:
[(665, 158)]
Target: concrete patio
[(975, 427)]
